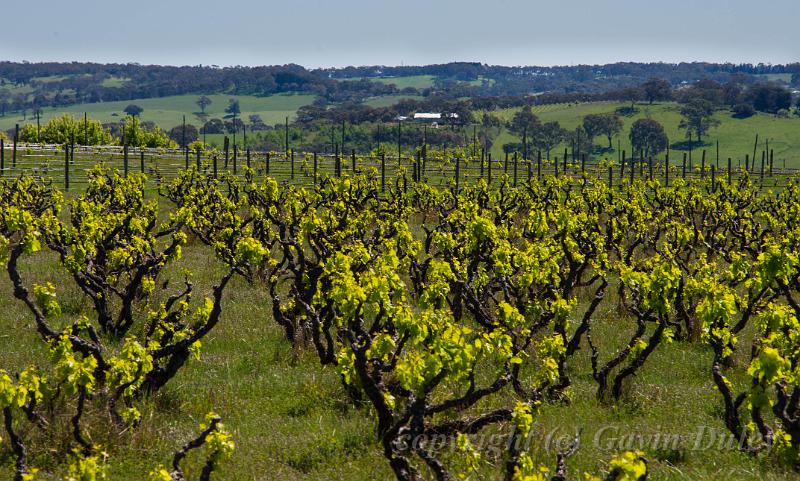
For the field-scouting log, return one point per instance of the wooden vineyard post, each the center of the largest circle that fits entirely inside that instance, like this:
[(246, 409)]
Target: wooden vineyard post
[(703, 166), (713, 178), (291, 160), (771, 160), (186, 155), (266, 164), (215, 166), (2, 158), (315, 168), (14, 151), (286, 135), (226, 147), (529, 165), (729, 170), (383, 172), (515, 168), (125, 159), (539, 165), (683, 169), (483, 158), (198, 159), (353, 159), (423, 163), (66, 167), (248, 157), (124, 150), (183, 141), (425, 156), (610, 176), (235, 157), (458, 172), (583, 163), (489, 167), (666, 170), (650, 167), (555, 167), (141, 159)]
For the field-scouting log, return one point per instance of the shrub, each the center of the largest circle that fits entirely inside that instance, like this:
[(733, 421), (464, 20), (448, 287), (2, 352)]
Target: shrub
[(743, 111)]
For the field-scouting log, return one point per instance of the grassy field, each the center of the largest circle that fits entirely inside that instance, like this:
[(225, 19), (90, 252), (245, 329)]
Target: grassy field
[(415, 81), (56, 78), (424, 81), (777, 77), (115, 81), (736, 136), (389, 100), (168, 112), (16, 89)]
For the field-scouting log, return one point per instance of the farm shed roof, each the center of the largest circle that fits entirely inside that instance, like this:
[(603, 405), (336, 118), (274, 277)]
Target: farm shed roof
[(427, 116)]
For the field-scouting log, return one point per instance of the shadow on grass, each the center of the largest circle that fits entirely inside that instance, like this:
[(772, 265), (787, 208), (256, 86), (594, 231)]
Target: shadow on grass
[(688, 145)]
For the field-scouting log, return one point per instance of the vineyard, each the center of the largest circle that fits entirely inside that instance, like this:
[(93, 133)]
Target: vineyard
[(69, 165), (462, 309)]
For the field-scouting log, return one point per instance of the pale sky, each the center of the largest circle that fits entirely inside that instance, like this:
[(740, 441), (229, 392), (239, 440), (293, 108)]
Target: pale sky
[(322, 33)]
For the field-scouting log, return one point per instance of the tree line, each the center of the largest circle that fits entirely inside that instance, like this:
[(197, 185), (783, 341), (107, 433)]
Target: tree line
[(75, 83)]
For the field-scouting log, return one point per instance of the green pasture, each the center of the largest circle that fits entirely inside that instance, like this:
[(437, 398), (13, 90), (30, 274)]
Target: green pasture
[(736, 136), (168, 112)]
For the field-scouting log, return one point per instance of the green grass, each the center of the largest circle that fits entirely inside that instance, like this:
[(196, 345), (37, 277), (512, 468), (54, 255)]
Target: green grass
[(57, 78), (415, 81), (776, 77), (15, 89), (479, 82), (388, 100), (736, 136), (418, 81), (115, 81), (168, 112)]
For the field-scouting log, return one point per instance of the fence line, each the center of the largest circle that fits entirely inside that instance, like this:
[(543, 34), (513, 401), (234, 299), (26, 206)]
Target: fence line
[(68, 165)]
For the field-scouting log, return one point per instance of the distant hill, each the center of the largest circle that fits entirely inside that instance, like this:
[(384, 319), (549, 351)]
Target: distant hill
[(29, 86)]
